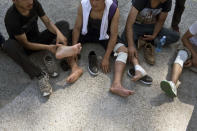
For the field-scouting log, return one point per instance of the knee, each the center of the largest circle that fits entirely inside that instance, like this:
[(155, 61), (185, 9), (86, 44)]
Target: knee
[(62, 23), (122, 49), (9, 45), (122, 53)]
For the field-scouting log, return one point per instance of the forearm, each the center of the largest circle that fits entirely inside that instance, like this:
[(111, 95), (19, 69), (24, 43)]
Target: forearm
[(129, 36), (110, 47), (35, 46), (188, 44), (158, 27), (75, 36), (53, 29)]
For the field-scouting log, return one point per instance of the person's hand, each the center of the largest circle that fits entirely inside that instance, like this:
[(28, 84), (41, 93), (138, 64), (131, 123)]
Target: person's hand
[(105, 65), (188, 63), (132, 53), (61, 39), (148, 37), (53, 48)]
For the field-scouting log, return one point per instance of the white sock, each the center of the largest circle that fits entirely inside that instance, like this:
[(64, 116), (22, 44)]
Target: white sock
[(181, 57), (139, 68)]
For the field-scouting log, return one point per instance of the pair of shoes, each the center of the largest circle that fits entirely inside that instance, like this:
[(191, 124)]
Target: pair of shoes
[(149, 51), (50, 65), (169, 88), (93, 63), (45, 86), (146, 79)]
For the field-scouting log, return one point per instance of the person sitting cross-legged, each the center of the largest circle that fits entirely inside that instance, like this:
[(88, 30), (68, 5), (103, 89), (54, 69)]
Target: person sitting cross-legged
[(97, 22)]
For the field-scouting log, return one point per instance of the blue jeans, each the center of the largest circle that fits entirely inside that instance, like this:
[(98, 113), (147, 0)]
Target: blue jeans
[(148, 29)]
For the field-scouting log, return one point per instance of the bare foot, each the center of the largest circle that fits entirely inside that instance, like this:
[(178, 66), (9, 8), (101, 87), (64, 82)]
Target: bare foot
[(119, 90), (75, 74), (67, 51), (138, 75)]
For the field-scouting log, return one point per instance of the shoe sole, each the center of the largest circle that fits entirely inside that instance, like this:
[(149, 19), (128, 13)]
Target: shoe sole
[(92, 73), (147, 83), (165, 86)]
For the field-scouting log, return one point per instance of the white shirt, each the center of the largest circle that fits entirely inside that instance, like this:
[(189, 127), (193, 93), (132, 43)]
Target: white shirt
[(193, 31)]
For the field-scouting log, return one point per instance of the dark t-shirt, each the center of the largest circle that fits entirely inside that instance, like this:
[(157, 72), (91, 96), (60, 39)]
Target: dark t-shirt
[(147, 14), (17, 24)]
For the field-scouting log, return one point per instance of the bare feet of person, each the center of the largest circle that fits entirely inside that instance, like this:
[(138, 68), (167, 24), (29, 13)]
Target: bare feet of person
[(75, 74), (119, 90), (67, 51), (138, 75)]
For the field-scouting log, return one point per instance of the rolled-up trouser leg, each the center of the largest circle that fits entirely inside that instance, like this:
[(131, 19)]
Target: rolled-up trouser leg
[(17, 53)]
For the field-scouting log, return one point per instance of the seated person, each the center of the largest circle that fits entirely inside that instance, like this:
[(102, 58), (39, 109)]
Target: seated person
[(186, 57), (25, 38), (145, 23), (97, 21)]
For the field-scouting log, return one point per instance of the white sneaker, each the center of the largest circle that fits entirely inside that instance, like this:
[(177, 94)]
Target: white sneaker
[(169, 88)]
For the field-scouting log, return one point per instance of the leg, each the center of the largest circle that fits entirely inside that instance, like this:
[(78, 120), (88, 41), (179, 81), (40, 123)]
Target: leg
[(171, 36), (16, 52), (169, 87), (138, 73), (120, 64), (178, 65), (76, 70), (47, 37), (179, 8)]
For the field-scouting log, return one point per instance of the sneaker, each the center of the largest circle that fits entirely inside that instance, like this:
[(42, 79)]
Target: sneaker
[(146, 79), (50, 65), (169, 88), (141, 42), (93, 63), (149, 53), (45, 86)]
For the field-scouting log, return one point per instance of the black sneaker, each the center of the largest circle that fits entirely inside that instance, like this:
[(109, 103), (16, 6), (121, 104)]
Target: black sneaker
[(146, 79), (93, 63), (51, 66)]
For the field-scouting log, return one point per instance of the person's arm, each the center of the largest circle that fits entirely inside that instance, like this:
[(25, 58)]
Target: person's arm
[(78, 26), (188, 44), (129, 32), (22, 39), (158, 26), (52, 28), (112, 41)]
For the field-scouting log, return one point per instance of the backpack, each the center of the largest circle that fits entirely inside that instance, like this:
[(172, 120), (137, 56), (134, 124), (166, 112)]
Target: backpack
[(112, 9)]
